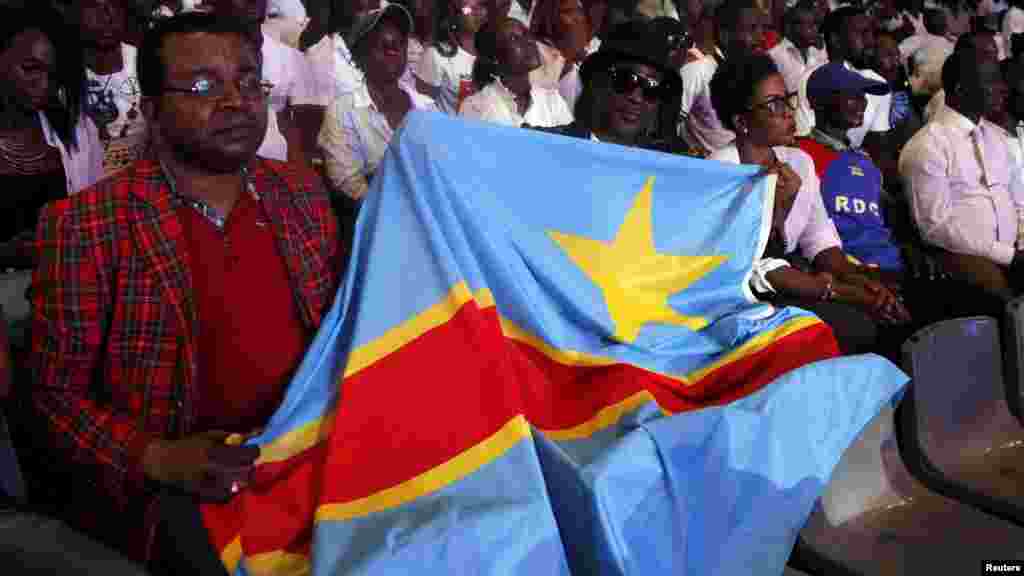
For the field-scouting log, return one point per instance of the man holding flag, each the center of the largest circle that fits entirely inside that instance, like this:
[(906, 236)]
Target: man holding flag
[(590, 388), (585, 388), (173, 301)]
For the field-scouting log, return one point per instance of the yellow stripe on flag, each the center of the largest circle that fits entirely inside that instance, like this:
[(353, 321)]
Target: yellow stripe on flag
[(469, 461), (567, 357), (607, 416), (296, 441), (278, 563), (399, 336), (752, 346), (232, 554)]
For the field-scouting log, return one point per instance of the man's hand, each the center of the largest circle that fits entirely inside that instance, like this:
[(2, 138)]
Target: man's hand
[(202, 464)]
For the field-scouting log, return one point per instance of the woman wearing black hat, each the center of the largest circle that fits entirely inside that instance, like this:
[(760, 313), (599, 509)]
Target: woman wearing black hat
[(630, 95)]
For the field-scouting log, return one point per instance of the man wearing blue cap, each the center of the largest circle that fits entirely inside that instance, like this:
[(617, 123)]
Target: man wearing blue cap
[(851, 184), (852, 191)]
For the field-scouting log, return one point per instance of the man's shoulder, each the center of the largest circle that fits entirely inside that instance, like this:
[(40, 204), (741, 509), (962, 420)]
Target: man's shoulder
[(294, 179), (115, 200), (929, 141)]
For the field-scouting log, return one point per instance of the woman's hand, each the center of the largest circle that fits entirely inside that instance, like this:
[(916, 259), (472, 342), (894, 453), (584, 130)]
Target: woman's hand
[(874, 298), (786, 189)]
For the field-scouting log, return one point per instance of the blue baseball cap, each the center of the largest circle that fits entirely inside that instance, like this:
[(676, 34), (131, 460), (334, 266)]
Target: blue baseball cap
[(834, 77)]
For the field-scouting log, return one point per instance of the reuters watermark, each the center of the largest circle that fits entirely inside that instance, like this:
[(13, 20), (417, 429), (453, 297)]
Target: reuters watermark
[(1002, 567)]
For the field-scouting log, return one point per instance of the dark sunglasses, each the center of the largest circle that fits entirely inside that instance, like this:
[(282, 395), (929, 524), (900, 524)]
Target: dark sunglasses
[(626, 81), (779, 105), (680, 41)]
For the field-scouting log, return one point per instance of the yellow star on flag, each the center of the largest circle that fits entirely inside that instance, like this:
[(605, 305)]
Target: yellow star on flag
[(634, 278)]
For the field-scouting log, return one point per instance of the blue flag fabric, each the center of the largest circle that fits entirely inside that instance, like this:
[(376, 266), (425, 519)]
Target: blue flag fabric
[(545, 359)]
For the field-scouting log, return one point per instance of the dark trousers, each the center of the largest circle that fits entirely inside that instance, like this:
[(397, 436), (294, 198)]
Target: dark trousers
[(182, 545), (37, 545), (927, 300)]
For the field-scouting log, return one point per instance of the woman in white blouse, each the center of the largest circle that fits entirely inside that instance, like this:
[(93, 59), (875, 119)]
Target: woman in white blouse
[(506, 54), (359, 125), (750, 97), (445, 71)]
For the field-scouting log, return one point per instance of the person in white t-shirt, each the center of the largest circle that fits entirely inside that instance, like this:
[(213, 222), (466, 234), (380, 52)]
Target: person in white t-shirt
[(850, 39), (446, 71), (112, 96), (297, 105), (507, 55)]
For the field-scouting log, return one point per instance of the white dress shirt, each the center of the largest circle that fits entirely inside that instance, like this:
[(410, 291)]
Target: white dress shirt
[(334, 70), (876, 114), (700, 120), (292, 77), (355, 136), (957, 174), (792, 64), (696, 76), (496, 103)]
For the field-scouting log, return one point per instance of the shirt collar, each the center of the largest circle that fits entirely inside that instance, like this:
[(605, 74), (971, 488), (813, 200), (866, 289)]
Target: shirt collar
[(950, 117), (506, 95), (361, 98)]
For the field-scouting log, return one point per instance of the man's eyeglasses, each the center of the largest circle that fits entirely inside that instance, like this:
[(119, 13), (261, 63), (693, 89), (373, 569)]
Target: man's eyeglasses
[(625, 81), (252, 88), (778, 105)]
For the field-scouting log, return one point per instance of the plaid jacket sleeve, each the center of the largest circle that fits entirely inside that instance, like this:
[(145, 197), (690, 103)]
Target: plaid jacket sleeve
[(71, 301)]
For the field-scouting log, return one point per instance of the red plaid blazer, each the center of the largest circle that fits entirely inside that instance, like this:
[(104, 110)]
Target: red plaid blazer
[(113, 327)]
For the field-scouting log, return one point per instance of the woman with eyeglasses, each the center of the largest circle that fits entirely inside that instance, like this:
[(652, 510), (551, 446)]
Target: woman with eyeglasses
[(359, 125), (630, 95), (48, 147), (750, 97), (506, 55)]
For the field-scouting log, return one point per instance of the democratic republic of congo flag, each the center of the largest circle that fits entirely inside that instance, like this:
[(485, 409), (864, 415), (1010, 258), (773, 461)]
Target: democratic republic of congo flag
[(545, 359)]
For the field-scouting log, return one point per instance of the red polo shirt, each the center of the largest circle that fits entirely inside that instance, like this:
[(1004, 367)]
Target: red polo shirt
[(251, 337)]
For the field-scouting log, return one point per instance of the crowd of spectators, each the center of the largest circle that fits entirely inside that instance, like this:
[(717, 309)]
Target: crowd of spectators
[(162, 158)]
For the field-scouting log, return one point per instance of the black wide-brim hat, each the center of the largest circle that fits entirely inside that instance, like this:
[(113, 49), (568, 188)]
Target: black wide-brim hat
[(635, 41)]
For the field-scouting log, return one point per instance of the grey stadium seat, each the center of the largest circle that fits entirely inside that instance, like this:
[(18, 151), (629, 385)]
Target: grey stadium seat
[(876, 518), (960, 437)]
